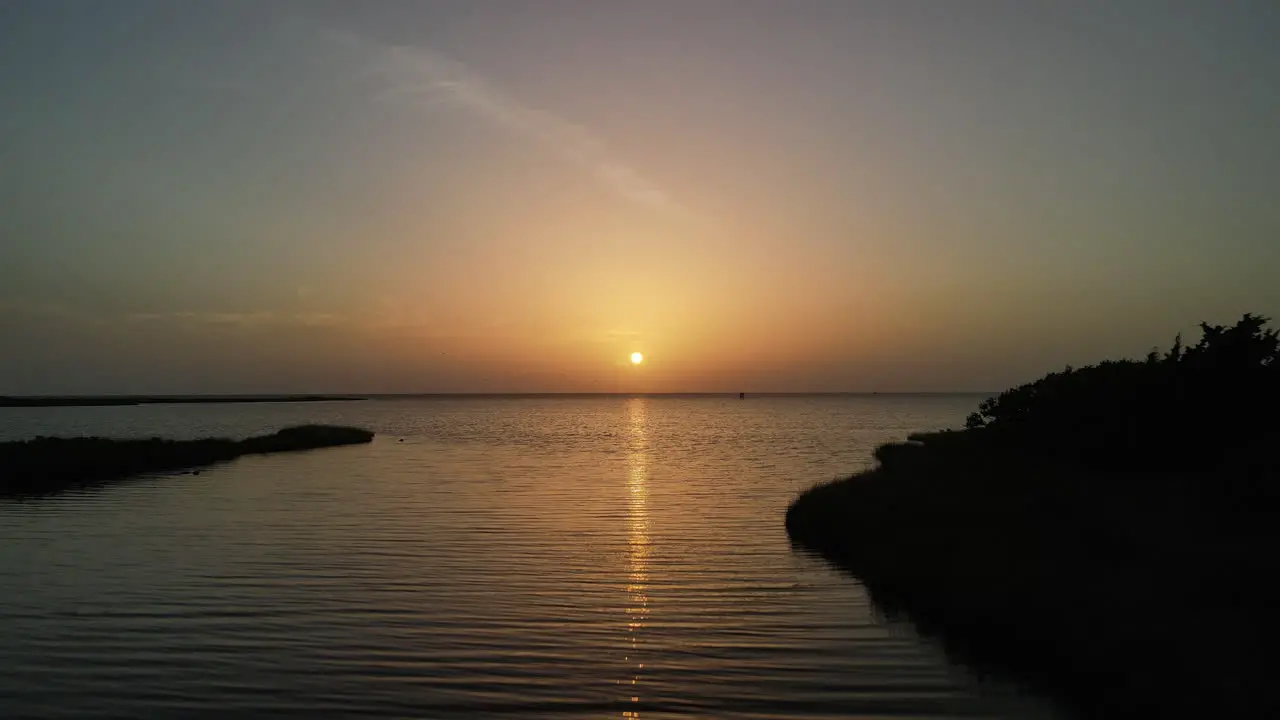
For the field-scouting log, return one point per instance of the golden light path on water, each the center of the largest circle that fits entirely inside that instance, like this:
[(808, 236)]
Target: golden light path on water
[(638, 540)]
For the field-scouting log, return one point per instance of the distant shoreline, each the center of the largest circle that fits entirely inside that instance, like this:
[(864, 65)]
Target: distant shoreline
[(36, 401), (729, 395), (123, 400), (47, 465)]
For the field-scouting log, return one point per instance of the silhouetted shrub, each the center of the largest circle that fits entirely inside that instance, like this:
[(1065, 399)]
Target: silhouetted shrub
[(1087, 530), (1187, 409)]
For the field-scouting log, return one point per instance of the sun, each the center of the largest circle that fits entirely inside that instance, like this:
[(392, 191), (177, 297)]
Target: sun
[(637, 358)]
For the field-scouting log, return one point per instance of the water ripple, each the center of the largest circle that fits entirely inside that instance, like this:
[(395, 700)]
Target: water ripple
[(532, 557)]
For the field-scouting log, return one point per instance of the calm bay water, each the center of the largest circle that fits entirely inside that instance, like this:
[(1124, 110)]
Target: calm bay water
[(557, 557)]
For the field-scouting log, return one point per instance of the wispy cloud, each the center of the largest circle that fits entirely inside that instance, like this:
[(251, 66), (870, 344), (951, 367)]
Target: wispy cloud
[(27, 308), (261, 319), (424, 75)]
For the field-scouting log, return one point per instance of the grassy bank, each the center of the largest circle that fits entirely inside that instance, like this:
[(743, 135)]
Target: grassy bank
[(47, 465), (1105, 534)]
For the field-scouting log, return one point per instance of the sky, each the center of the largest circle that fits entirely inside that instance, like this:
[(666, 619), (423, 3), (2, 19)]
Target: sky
[(493, 196)]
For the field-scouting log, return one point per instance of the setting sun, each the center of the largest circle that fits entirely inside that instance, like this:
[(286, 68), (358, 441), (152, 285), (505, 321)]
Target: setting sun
[(637, 358)]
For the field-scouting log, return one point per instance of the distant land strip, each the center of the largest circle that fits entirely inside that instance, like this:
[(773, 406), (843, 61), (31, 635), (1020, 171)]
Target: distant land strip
[(47, 465), (24, 401), (665, 395), (109, 400)]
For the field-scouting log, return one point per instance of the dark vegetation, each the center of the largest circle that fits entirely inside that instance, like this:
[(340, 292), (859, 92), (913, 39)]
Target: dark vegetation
[(113, 400), (47, 465), (1106, 533)]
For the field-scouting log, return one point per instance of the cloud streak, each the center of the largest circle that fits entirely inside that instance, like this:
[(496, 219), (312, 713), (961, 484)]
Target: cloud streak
[(421, 74), (259, 319)]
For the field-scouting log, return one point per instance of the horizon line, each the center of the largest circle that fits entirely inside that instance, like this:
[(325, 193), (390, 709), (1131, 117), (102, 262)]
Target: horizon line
[(368, 396)]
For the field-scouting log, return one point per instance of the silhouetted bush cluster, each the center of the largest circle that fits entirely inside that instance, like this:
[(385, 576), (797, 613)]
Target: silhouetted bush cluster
[(1192, 408), (1089, 530)]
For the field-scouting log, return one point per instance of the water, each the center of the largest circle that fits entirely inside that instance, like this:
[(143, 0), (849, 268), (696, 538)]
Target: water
[(540, 557)]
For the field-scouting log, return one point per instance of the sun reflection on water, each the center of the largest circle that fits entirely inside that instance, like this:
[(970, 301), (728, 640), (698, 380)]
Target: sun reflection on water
[(637, 539)]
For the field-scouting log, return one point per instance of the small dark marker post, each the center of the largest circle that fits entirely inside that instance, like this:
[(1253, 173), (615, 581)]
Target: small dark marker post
[(742, 396)]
